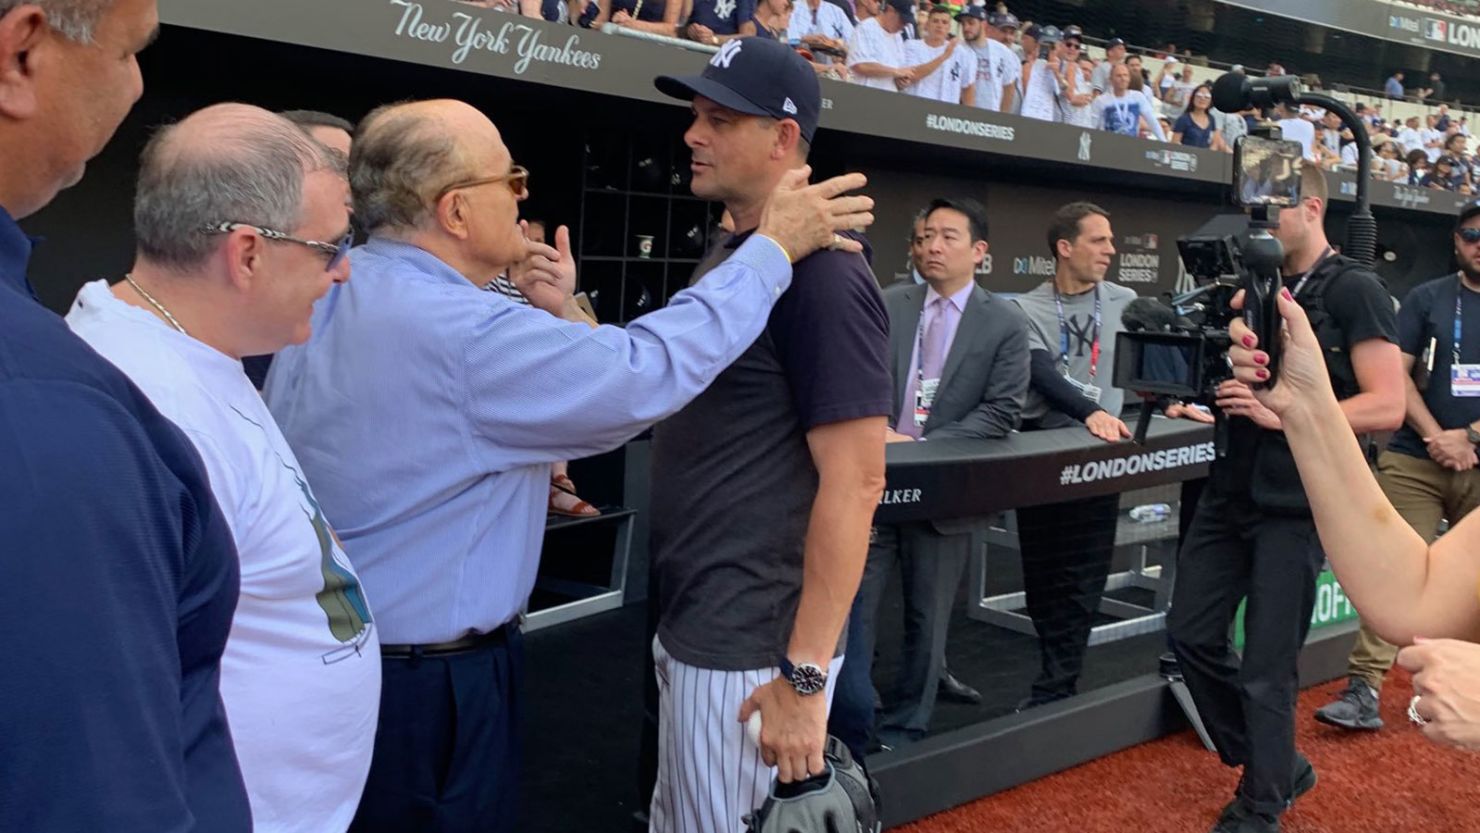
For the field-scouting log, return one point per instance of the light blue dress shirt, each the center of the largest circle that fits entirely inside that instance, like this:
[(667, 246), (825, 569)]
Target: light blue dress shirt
[(427, 412)]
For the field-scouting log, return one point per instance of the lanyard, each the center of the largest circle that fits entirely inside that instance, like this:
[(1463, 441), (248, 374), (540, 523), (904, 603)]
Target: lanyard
[(1299, 285), (1459, 294), (1094, 350)]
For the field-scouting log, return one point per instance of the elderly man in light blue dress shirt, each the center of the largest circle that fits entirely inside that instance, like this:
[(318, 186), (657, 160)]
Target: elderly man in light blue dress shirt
[(427, 413)]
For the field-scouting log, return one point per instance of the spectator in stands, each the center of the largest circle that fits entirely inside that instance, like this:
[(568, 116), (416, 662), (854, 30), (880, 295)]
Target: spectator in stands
[(1114, 55), (1388, 164), (659, 17), (1394, 85), (1122, 111), (1233, 126), (1410, 136), (876, 51), (1170, 69), (1435, 90), (1456, 147), (1176, 98), (1048, 78), (822, 28), (716, 21), (327, 129), (1418, 165), (1443, 176), (771, 19), (1074, 81), (300, 677), (1296, 129), (1432, 138), (120, 576), (1443, 121), (1196, 127), (953, 79), (997, 68), (1274, 70)]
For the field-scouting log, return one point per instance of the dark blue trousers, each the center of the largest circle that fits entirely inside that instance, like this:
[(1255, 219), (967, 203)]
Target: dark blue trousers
[(448, 748)]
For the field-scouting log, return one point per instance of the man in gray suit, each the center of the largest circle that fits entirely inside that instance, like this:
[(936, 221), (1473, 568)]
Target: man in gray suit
[(959, 358)]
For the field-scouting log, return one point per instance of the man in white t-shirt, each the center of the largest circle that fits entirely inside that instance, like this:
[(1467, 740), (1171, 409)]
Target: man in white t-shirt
[(1007, 61), (876, 48), (1121, 111), (1076, 95), (300, 677), (1045, 79), (1114, 55), (821, 27), (1432, 138), (1409, 137), (954, 80), (992, 58), (1296, 129)]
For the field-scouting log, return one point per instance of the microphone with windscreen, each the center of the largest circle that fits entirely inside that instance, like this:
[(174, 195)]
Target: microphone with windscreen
[(1148, 315), (1235, 91)]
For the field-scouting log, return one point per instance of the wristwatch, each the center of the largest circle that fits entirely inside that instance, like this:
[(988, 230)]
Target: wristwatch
[(1472, 435), (807, 679)]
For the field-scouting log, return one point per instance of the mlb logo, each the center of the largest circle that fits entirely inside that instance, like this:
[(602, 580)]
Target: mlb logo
[(1150, 241), (1436, 29)]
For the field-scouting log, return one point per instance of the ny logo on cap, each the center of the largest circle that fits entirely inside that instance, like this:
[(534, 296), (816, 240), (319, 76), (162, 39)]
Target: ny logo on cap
[(789, 106), (726, 54)]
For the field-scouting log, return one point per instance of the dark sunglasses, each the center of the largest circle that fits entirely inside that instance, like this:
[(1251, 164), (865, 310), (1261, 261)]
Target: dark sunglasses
[(1470, 235), (336, 252)]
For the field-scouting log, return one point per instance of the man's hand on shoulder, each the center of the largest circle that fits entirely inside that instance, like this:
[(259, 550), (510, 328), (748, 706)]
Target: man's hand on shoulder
[(803, 218)]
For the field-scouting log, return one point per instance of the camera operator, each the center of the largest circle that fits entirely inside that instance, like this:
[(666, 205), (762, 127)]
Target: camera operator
[(1406, 591), (1252, 532)]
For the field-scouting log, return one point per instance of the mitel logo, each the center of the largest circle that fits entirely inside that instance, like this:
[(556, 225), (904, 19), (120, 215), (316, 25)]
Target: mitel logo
[(1436, 30), (1032, 265), (1405, 24)]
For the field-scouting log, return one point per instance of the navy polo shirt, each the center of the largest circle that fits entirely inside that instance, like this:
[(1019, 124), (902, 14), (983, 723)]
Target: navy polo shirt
[(118, 580), (723, 17)]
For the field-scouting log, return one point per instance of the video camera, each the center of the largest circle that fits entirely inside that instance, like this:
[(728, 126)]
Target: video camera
[(1178, 349)]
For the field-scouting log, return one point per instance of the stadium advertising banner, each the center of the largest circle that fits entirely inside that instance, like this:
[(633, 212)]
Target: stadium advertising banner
[(1405, 24)]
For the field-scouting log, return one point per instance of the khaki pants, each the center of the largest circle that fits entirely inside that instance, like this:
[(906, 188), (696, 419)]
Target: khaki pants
[(1424, 493)]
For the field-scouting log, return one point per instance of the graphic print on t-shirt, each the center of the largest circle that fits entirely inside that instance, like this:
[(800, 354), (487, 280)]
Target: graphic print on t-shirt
[(1081, 334), (341, 598)]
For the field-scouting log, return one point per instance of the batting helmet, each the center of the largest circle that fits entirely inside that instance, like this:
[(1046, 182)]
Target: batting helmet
[(843, 799)]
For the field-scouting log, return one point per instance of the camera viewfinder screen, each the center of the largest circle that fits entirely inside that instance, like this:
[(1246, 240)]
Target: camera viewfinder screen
[(1268, 172)]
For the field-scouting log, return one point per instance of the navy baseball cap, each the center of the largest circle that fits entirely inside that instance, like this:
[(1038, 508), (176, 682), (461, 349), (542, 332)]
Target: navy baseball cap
[(1073, 32), (973, 12), (1044, 34), (906, 8), (1466, 211), (757, 77), (1114, 42), (1004, 20)]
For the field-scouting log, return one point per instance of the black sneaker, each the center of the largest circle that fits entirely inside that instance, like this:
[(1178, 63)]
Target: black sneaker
[(1238, 818), (1305, 781), (1355, 709)]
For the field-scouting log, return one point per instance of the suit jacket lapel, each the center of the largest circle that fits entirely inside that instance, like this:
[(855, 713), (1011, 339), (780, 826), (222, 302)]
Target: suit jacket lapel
[(968, 329), (903, 340)]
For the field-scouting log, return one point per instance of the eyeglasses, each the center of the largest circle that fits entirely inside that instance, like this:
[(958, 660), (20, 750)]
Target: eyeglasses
[(517, 177), (1470, 235), (336, 252)]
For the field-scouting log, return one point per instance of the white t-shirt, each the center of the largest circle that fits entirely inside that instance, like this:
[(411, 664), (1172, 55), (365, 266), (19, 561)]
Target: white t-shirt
[(300, 677), (1410, 139), (1083, 116), (1122, 114), (1302, 131), (953, 75), (1427, 135), (870, 44), (1041, 94), (826, 20), (1005, 68)]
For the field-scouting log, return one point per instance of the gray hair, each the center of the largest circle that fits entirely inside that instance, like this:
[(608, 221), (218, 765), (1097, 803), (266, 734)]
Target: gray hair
[(246, 167), (399, 161), (74, 20)]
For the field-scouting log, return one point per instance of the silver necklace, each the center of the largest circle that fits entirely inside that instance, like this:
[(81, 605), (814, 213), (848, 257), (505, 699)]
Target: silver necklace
[(153, 303)]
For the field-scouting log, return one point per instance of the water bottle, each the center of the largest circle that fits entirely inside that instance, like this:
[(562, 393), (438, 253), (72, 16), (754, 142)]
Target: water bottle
[(1151, 513)]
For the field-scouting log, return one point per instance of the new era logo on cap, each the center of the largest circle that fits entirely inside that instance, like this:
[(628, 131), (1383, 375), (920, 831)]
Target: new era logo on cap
[(789, 106)]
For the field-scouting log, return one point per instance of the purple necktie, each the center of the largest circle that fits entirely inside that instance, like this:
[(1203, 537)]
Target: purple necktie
[(932, 358)]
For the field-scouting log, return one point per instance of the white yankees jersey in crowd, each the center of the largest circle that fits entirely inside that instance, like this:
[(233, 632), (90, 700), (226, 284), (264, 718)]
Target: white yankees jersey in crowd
[(1302, 131), (870, 44), (996, 67), (954, 74), (1041, 93), (826, 20), (697, 723), (1082, 115)]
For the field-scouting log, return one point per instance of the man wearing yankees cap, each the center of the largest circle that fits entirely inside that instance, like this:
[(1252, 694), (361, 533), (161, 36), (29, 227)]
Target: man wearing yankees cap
[(764, 486)]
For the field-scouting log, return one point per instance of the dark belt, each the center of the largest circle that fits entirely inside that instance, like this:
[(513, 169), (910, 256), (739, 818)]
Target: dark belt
[(471, 642)]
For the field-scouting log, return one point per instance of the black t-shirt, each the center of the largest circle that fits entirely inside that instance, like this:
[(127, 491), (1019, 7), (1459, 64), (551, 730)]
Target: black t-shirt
[(732, 478), (1347, 305), (723, 17), (1428, 313)]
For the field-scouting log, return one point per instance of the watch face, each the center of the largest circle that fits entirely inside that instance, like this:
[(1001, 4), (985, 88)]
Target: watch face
[(808, 679)]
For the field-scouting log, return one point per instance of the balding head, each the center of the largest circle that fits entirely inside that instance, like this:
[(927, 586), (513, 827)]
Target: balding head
[(404, 155), (227, 163)]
